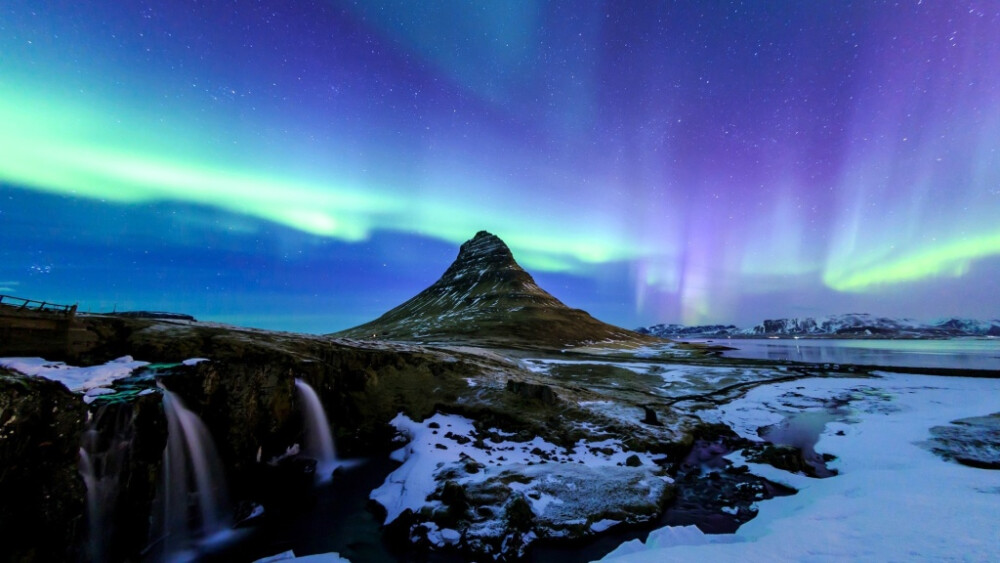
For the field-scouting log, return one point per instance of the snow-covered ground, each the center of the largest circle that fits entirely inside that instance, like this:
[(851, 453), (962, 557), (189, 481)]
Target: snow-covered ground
[(75, 378), (442, 440), (894, 500), (568, 491)]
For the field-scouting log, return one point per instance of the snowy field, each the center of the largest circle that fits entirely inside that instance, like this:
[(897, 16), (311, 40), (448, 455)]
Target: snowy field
[(894, 500)]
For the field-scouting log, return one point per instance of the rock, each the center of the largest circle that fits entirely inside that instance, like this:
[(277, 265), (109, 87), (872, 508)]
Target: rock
[(42, 496), (792, 459), (633, 461), (650, 417), (518, 515), (534, 391), (971, 441)]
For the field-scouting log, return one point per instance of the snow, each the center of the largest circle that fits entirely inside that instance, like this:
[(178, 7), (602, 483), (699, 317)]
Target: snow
[(893, 499), (194, 361), (92, 394), (603, 525), (75, 378), (540, 365), (430, 449), (318, 558), (441, 536)]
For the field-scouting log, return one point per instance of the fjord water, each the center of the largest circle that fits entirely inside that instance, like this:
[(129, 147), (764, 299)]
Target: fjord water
[(961, 353)]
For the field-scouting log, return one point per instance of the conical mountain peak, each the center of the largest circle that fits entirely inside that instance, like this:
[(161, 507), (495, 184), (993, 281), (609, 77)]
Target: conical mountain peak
[(486, 296), (484, 247), (483, 257)]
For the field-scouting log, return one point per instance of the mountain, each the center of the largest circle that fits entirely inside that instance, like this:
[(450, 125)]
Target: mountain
[(864, 324), (852, 324), (860, 324), (683, 331), (486, 296)]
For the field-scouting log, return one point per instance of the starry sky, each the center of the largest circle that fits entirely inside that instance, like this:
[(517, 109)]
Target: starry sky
[(308, 165)]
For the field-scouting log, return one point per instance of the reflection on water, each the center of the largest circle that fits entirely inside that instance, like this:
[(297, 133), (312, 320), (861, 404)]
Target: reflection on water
[(957, 353), (802, 430)]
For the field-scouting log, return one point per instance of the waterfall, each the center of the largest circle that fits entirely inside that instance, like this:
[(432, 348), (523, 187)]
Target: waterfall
[(105, 452), (319, 442), (87, 471), (192, 470)]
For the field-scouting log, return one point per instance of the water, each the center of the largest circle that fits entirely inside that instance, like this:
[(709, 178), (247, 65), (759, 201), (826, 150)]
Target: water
[(319, 441), (192, 471), (95, 544), (103, 460), (337, 519), (982, 354), (802, 430)]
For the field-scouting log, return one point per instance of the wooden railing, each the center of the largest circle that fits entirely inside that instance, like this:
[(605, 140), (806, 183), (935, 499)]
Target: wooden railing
[(29, 305)]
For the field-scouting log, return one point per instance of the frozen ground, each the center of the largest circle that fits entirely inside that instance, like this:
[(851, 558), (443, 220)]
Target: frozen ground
[(569, 491), (75, 378), (894, 500)]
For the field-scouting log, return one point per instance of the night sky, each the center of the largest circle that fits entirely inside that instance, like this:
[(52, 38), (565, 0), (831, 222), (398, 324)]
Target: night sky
[(308, 165)]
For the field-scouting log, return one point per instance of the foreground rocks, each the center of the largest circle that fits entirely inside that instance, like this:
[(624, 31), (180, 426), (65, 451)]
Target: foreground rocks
[(971, 441), (544, 450), (42, 497)]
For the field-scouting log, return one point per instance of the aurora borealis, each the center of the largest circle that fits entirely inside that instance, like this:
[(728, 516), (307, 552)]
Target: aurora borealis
[(309, 165)]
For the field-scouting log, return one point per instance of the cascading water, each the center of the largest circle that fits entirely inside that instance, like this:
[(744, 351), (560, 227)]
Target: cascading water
[(104, 456), (319, 441), (192, 471), (87, 471)]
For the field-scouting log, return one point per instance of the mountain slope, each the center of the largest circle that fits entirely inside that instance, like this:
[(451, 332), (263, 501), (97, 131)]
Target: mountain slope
[(486, 296)]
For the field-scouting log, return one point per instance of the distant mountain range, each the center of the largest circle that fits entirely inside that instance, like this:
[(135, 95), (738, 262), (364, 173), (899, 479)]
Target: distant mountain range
[(853, 324), (677, 331), (486, 296)]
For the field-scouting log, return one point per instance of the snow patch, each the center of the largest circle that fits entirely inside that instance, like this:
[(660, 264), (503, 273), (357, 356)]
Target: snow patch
[(75, 378)]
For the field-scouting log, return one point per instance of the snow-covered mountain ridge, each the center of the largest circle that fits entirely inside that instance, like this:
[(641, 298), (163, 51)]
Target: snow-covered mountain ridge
[(852, 324)]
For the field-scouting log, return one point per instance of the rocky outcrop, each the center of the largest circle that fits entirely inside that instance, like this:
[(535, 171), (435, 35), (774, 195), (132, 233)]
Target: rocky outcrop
[(42, 497), (485, 296), (534, 391), (971, 441)]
